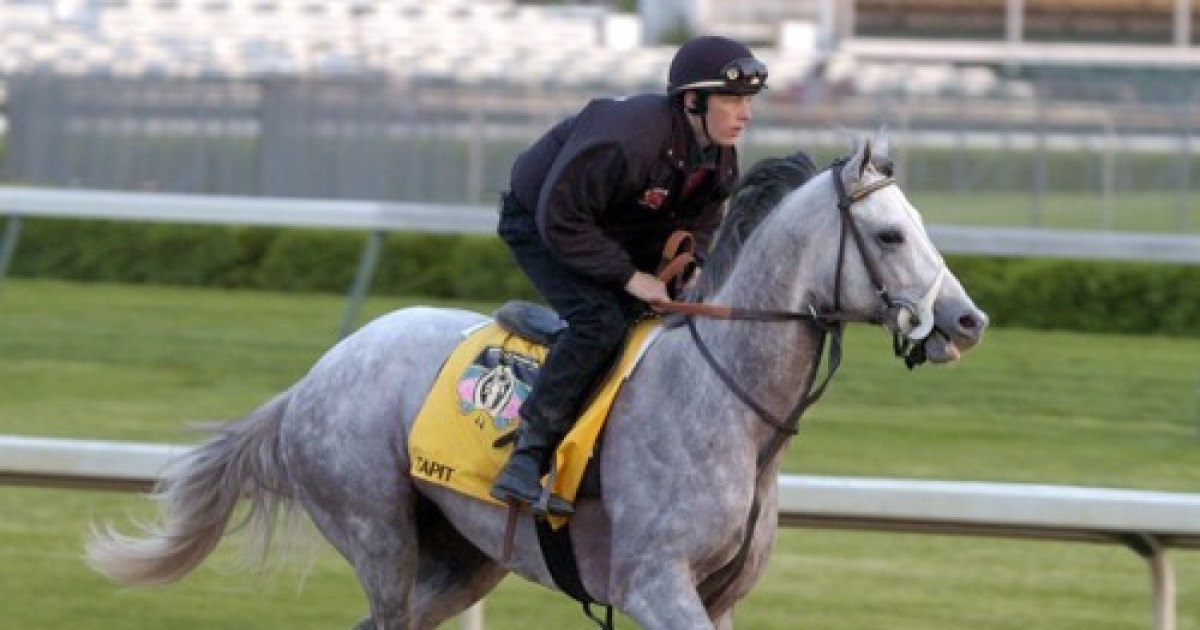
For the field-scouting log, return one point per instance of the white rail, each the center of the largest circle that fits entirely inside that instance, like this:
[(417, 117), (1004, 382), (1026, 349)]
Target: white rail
[(1148, 522), (230, 210)]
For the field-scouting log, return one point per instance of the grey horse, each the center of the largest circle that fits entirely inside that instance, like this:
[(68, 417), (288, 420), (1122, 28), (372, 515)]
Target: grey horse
[(690, 457)]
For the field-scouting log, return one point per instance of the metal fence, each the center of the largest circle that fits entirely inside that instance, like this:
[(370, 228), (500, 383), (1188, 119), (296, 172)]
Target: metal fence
[(1072, 149)]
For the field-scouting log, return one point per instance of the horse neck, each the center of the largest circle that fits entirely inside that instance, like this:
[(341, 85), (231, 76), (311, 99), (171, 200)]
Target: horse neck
[(772, 361)]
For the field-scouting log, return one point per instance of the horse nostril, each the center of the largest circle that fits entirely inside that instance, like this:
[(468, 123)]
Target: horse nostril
[(968, 323)]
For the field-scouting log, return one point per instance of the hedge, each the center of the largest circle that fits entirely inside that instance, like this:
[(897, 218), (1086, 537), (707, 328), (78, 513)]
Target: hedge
[(1135, 298), (441, 266), (1090, 296)]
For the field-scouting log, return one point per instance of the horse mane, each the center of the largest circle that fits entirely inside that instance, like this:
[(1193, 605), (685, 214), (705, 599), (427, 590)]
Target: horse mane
[(754, 197)]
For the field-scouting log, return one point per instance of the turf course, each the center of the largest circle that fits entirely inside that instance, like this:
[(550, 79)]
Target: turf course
[(139, 363)]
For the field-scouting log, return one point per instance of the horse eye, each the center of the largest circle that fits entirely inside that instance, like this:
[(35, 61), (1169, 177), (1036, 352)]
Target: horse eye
[(891, 237)]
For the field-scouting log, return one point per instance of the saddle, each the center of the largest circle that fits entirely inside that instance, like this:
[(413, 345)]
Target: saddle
[(534, 322)]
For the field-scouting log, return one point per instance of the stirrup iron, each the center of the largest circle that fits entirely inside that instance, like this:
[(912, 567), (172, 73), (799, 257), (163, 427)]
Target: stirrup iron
[(550, 504)]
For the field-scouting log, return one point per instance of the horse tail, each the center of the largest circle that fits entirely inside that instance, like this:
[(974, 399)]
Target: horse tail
[(197, 498)]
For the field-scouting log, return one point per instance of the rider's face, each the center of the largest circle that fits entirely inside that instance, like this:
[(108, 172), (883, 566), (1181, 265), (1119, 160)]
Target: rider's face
[(728, 116)]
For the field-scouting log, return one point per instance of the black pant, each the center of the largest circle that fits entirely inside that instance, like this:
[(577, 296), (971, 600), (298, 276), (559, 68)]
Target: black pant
[(598, 318)]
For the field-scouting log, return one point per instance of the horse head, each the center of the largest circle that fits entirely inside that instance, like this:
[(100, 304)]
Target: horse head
[(857, 251), (897, 277)]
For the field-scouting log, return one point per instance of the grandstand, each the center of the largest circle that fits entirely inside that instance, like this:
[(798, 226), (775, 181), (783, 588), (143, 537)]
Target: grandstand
[(1095, 21), (965, 46), (480, 42), (237, 38)]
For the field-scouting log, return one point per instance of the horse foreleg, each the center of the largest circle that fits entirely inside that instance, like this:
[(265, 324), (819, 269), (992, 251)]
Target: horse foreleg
[(660, 599)]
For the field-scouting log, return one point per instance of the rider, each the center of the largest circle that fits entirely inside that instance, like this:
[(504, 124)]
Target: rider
[(590, 207)]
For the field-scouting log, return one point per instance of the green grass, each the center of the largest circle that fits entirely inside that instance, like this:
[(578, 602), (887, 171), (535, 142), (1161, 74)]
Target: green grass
[(139, 363), (1125, 211)]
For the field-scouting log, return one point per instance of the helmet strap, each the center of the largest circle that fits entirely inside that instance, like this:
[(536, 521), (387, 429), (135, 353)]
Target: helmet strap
[(704, 126), (700, 108)]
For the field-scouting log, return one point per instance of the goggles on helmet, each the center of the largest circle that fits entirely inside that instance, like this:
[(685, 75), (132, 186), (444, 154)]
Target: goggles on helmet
[(746, 74), (740, 76)]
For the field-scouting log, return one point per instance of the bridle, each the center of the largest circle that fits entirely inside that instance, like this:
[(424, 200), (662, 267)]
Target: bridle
[(911, 323), (679, 256)]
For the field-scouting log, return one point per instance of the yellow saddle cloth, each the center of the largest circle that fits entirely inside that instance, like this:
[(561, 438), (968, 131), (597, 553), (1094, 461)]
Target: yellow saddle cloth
[(475, 400)]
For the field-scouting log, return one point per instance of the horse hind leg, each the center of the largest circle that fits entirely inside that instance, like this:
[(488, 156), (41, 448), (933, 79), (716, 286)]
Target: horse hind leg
[(396, 537), (376, 534), (452, 573)]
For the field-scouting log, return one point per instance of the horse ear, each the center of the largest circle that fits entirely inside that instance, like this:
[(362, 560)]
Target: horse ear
[(860, 160), (868, 151), (851, 171), (882, 143)]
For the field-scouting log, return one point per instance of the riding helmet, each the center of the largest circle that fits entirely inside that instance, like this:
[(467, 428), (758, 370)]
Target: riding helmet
[(711, 63)]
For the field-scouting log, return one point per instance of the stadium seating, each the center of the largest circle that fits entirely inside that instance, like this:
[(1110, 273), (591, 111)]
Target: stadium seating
[(493, 42)]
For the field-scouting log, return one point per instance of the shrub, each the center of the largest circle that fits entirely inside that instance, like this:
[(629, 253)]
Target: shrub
[(1093, 296)]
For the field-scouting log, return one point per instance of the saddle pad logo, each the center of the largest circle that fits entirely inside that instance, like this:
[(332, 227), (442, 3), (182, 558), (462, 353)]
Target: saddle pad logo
[(496, 383)]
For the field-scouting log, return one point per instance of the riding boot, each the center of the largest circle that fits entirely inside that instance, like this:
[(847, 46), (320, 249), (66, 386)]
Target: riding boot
[(520, 480)]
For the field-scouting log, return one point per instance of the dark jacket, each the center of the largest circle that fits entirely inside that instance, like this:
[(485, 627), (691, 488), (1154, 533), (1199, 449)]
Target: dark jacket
[(605, 186)]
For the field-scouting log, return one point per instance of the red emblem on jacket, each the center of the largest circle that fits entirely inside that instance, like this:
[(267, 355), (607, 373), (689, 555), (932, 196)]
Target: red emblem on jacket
[(654, 198)]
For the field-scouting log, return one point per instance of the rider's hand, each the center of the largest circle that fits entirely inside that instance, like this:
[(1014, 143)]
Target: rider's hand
[(647, 288)]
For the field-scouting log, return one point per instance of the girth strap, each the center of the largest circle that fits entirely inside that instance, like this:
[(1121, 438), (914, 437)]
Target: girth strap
[(560, 560)]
